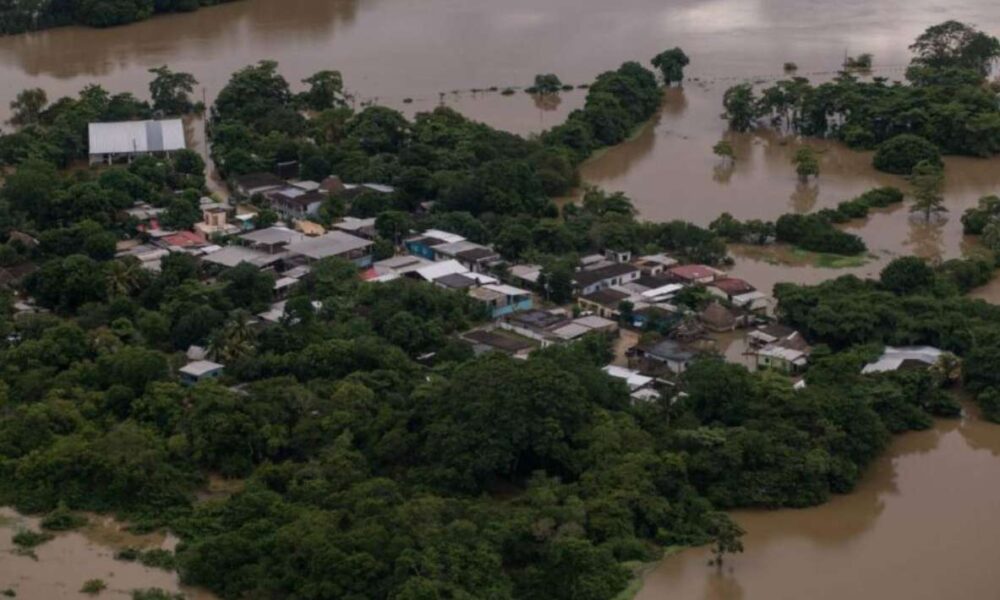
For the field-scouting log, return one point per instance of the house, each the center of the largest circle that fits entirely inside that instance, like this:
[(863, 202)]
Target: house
[(423, 245), (769, 334), (525, 274), (582, 326), (200, 370), (640, 387), (661, 317), (904, 357), (293, 202), (654, 264), (778, 347), (184, 240), (588, 281), (272, 240), (231, 256), (485, 340), (780, 357), (502, 299), (693, 273), (251, 184), (360, 227), (127, 140), (717, 318), (728, 288), (335, 243), (604, 302), (536, 324), (476, 257), (666, 357), (397, 266)]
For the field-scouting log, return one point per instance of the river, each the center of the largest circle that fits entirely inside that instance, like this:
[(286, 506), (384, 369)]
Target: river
[(925, 519), (922, 524)]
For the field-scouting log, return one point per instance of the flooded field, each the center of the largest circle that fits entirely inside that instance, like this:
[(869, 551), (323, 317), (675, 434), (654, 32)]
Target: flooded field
[(60, 567)]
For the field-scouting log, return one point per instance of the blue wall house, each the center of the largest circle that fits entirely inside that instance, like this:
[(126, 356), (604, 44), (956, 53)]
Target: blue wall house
[(502, 300)]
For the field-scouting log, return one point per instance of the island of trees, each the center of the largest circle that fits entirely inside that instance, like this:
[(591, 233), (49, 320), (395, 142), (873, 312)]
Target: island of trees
[(17, 16), (947, 105), (375, 455)]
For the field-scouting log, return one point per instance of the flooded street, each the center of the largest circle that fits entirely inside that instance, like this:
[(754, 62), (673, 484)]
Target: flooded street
[(62, 565), (921, 525)]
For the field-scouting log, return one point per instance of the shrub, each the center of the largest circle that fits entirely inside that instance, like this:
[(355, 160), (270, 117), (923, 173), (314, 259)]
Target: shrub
[(28, 539), (900, 154), (63, 519), (93, 587)]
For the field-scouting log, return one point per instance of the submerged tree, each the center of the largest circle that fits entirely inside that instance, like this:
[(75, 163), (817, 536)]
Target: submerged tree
[(671, 64), (326, 91), (740, 106), (546, 83), (171, 92), (806, 163), (724, 150), (726, 537), (928, 182)]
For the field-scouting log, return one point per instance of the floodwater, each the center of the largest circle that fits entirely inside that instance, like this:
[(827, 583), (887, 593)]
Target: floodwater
[(438, 51), (62, 565), (920, 525)]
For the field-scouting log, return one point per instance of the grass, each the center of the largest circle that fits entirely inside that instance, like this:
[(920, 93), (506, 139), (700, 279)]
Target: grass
[(782, 254)]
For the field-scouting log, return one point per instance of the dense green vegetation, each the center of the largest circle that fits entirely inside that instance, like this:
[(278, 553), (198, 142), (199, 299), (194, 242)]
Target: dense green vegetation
[(947, 99), (813, 232), (17, 16)]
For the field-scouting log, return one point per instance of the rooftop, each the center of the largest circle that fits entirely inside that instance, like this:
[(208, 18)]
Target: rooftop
[(607, 297), (198, 368), (252, 181), (586, 278), (273, 236), (125, 137), (334, 243), (231, 256), (498, 340), (894, 357), (692, 272), (632, 378), (733, 286)]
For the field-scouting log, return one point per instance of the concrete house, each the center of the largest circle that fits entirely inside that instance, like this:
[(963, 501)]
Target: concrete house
[(251, 184), (666, 357), (334, 243), (588, 281), (501, 299), (423, 245)]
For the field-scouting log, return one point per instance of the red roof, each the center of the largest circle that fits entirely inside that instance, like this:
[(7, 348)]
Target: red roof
[(369, 274), (733, 286), (185, 239), (692, 272)]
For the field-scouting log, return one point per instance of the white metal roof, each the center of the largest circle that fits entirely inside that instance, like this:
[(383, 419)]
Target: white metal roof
[(507, 290), (893, 358), (198, 368), (663, 290), (632, 378), (444, 236), (125, 137), (440, 269)]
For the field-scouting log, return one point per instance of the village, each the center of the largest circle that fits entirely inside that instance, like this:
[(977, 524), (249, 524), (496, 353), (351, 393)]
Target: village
[(658, 314)]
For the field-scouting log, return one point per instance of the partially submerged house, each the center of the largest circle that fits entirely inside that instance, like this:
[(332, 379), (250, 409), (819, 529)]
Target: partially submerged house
[(896, 358), (666, 357), (587, 281), (717, 318)]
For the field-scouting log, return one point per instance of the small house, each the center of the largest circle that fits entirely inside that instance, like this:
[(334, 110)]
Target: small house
[(693, 273), (502, 299), (110, 142), (904, 357), (251, 184), (200, 370), (666, 357), (588, 281)]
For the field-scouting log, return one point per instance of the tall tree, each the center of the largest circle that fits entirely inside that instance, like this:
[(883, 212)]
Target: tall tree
[(740, 106), (955, 44), (27, 108), (806, 163), (671, 64), (326, 91), (171, 92), (928, 183)]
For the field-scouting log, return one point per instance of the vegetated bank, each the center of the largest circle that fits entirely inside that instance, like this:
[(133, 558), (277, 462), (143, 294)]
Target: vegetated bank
[(18, 17)]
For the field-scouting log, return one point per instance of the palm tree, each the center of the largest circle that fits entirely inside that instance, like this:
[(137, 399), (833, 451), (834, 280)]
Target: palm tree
[(123, 276), (235, 340)]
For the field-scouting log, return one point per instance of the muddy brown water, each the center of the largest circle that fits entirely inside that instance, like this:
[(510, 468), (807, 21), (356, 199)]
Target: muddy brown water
[(923, 522), (60, 566), (921, 525)]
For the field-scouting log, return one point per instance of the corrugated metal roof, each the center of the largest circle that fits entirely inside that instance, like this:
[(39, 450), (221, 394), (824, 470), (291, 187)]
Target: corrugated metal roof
[(124, 137)]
